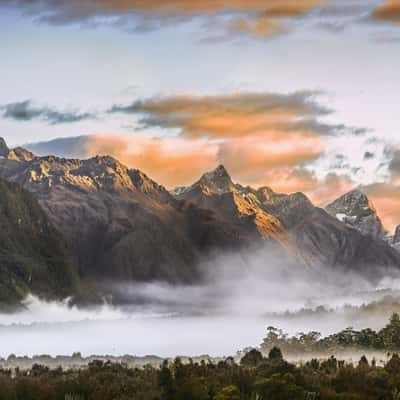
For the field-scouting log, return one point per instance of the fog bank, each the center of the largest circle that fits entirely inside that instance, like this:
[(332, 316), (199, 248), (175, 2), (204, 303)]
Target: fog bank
[(240, 298)]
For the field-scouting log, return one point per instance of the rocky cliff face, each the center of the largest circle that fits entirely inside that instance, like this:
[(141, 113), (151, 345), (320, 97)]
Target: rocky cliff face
[(356, 210), (235, 205), (33, 255), (319, 239), (324, 241)]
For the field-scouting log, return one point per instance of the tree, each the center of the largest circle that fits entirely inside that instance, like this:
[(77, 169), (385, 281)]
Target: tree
[(275, 354), (166, 382), (390, 334), (393, 366), (363, 363), (252, 359)]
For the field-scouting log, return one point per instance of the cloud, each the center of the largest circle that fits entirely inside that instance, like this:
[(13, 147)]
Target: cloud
[(394, 165), (85, 8), (386, 198), (386, 194), (388, 11), (236, 115), (257, 18), (27, 111), (320, 190), (369, 155), (180, 161), (259, 160), (170, 161)]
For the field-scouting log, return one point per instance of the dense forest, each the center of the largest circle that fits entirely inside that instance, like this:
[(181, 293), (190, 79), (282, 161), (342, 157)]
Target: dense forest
[(387, 339), (256, 376)]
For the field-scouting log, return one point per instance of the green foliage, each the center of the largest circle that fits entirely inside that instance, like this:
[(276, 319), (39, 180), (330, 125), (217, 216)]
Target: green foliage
[(271, 379), (387, 338), (253, 358), (275, 354)]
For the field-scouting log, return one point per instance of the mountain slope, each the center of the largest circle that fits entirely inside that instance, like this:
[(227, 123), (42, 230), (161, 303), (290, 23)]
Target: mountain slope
[(33, 257), (119, 224), (323, 241), (216, 191), (317, 238)]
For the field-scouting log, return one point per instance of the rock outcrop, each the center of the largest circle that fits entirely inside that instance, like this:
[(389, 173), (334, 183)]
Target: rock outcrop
[(356, 210), (316, 237)]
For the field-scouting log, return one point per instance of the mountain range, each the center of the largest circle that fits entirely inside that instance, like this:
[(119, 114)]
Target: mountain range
[(74, 223)]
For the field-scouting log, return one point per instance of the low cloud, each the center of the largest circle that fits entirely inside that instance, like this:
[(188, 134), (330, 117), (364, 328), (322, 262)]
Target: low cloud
[(27, 111)]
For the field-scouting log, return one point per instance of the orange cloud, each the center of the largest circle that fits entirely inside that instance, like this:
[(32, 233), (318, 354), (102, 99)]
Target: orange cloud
[(170, 161), (95, 7), (386, 198), (234, 115), (249, 158), (388, 11), (260, 18), (180, 161), (297, 179)]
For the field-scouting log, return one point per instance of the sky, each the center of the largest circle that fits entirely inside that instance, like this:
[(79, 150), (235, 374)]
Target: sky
[(297, 95)]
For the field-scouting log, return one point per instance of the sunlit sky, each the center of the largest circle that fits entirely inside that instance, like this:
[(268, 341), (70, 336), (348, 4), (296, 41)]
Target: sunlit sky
[(120, 70)]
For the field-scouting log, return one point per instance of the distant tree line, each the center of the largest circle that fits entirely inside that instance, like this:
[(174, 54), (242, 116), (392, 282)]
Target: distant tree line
[(387, 339), (256, 377)]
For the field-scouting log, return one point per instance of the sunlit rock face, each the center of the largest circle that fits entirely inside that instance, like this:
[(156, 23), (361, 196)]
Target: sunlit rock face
[(235, 205), (356, 210), (317, 238)]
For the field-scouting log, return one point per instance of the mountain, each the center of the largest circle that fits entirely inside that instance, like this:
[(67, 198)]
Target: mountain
[(33, 255), (324, 241), (394, 240), (118, 223), (216, 191), (317, 238), (355, 209)]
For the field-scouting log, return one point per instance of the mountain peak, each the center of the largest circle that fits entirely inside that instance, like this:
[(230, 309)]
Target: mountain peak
[(353, 203), (355, 209), (218, 173), (217, 181)]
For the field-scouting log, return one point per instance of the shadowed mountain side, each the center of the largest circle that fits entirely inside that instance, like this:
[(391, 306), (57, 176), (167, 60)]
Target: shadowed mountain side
[(319, 239), (118, 223), (33, 256), (324, 241)]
